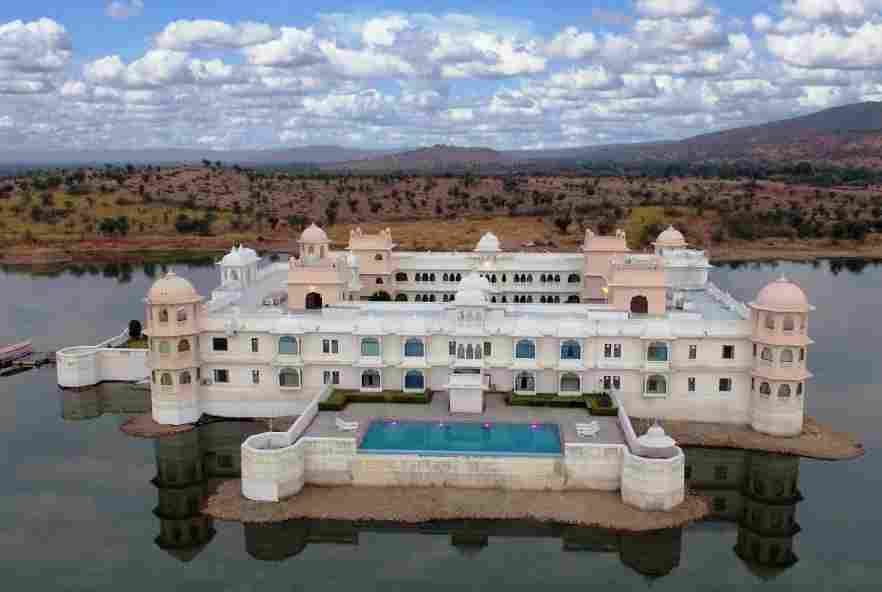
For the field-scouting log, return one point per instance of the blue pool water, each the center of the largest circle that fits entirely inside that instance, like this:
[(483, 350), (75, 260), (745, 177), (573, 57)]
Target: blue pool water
[(474, 438)]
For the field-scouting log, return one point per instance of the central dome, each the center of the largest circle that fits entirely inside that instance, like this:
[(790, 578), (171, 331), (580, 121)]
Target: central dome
[(240, 256), (172, 289), (488, 243), (671, 237), (313, 234)]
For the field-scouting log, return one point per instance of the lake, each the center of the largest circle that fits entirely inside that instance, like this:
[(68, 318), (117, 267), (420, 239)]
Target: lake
[(85, 507)]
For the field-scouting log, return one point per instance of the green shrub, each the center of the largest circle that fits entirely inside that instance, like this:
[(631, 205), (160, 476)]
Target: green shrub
[(338, 400)]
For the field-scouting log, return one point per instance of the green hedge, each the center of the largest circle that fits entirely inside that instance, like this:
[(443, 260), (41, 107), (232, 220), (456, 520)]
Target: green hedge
[(544, 400), (338, 400), (601, 404)]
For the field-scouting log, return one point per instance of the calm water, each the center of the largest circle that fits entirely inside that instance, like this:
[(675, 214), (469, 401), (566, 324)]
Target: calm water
[(84, 507), (467, 437)]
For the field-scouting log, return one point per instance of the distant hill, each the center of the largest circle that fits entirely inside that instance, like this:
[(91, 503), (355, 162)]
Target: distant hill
[(438, 158)]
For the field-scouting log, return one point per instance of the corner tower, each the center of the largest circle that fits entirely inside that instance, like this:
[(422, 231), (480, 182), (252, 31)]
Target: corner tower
[(779, 319), (172, 315), (318, 278)]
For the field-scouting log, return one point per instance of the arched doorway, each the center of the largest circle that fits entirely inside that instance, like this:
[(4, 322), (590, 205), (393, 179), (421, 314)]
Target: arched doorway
[(401, 298), (639, 305), (313, 300), (380, 296)]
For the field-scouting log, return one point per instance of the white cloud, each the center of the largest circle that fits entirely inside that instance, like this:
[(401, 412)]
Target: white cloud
[(295, 47), (208, 34), (825, 47), (670, 8), (38, 46), (832, 10), (382, 30), (123, 10), (572, 44)]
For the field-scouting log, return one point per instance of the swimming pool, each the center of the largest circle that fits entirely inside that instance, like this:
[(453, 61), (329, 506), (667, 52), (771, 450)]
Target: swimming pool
[(461, 438)]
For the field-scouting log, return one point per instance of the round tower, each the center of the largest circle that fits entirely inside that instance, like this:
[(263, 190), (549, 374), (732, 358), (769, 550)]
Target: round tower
[(172, 324), (779, 319)]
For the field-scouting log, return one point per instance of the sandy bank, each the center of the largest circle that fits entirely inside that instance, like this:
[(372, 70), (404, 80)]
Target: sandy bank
[(817, 440), (601, 509)]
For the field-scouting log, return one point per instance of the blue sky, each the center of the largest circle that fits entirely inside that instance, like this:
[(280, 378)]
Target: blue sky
[(264, 74)]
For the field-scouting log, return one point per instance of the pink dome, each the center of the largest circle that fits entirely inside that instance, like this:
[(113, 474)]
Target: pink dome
[(172, 289), (782, 295)]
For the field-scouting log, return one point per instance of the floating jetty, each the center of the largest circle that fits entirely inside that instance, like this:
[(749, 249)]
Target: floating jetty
[(20, 357)]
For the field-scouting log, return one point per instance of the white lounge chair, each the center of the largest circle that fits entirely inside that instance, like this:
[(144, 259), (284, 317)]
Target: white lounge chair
[(587, 430), (345, 426)]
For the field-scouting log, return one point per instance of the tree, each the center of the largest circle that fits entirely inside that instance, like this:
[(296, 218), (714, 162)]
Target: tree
[(563, 221), (135, 329)]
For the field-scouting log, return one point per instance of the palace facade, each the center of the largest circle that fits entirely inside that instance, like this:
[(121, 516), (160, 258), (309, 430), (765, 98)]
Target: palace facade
[(648, 327)]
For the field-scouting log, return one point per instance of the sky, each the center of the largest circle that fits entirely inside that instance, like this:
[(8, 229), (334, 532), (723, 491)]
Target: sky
[(230, 74)]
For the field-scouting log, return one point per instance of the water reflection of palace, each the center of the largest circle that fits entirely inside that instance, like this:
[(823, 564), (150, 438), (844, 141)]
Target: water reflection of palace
[(759, 492)]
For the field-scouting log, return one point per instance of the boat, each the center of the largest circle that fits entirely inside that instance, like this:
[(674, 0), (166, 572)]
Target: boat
[(10, 353)]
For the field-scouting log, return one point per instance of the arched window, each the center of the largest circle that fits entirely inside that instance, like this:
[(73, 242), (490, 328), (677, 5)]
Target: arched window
[(570, 383), (431, 277), (460, 351), (470, 352), (573, 299), (370, 379), (400, 277), (765, 389), (570, 350), (165, 379), (557, 299), (289, 378), (181, 314), (573, 278), (183, 346), (525, 349), (524, 381), (493, 279), (529, 278), (770, 322), (557, 278), (163, 315), (370, 346), (288, 345), (787, 356), (657, 352), (504, 300), (164, 347), (542, 300), (788, 324), (459, 277), (378, 257), (766, 354), (379, 281), (639, 305), (656, 384), (413, 348), (478, 352), (401, 298), (530, 299), (444, 278), (493, 299), (414, 380), (186, 378), (798, 389), (431, 298), (542, 278), (313, 300), (784, 391)]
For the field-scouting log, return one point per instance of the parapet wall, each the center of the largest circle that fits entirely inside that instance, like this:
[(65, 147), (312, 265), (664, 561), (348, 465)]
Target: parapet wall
[(82, 366)]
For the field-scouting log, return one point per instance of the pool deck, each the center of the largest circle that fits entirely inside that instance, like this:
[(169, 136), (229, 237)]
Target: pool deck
[(496, 409)]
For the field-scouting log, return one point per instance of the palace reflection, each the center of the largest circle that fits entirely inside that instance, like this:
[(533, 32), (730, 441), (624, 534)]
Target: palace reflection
[(755, 491)]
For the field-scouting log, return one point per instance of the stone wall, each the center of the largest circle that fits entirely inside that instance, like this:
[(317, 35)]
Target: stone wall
[(593, 466), (653, 483), (89, 365)]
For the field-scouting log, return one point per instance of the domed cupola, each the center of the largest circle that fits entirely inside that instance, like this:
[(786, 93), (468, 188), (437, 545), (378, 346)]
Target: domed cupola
[(489, 243), (472, 290), (172, 289), (670, 238), (313, 244), (782, 295)]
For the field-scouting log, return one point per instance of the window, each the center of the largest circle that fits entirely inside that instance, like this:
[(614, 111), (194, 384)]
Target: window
[(289, 378), (288, 345), (165, 379), (799, 389), (330, 346), (451, 348), (400, 277), (370, 346), (378, 257), (728, 352), (752, 384), (691, 382), (612, 383), (788, 324), (766, 355), (725, 385), (219, 344), (186, 378), (331, 377), (370, 379), (255, 377), (721, 472), (525, 349), (163, 316), (379, 281), (255, 345), (183, 346), (525, 382), (181, 314), (573, 278), (786, 357), (765, 389), (657, 352), (570, 383), (221, 375), (414, 380), (570, 350), (784, 391), (617, 350), (413, 348), (754, 350), (607, 350), (802, 354), (770, 322), (488, 349), (164, 347), (656, 385), (693, 352)]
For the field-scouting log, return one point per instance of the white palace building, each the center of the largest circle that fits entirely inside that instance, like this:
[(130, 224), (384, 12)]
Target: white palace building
[(649, 328)]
